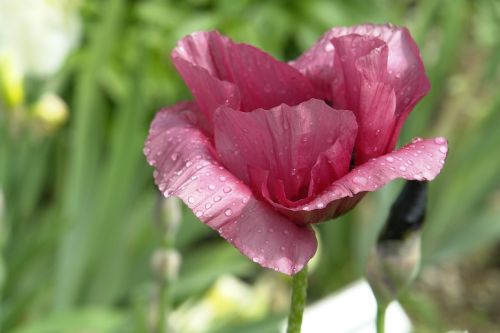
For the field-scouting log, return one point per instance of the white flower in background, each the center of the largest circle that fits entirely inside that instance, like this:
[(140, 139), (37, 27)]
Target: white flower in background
[(37, 35)]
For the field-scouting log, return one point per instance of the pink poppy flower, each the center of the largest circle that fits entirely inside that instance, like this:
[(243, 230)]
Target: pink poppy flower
[(268, 148)]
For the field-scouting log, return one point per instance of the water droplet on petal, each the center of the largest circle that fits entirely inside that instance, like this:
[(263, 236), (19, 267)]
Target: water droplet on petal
[(402, 168), (191, 200), (228, 212), (222, 178), (389, 159), (440, 140), (217, 198), (443, 149), (271, 230), (174, 156), (208, 205), (282, 248), (226, 189), (329, 47), (199, 213), (360, 180), (211, 187), (320, 205)]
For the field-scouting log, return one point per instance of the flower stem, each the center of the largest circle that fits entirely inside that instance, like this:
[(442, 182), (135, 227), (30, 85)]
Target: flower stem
[(166, 261), (381, 308), (299, 292)]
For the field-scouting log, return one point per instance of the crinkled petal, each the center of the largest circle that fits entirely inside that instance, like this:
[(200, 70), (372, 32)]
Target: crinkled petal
[(286, 141), (376, 120), (421, 160), (208, 91), (364, 64), (261, 80), (186, 166), (404, 71)]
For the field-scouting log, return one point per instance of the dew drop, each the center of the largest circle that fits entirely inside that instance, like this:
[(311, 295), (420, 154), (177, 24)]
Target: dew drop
[(188, 164), (389, 159), (329, 47), (217, 198), (228, 212), (402, 168), (360, 180), (443, 149), (271, 230), (227, 189), (415, 140), (199, 213), (174, 156), (320, 205), (211, 187), (208, 205), (222, 178), (440, 140), (191, 200)]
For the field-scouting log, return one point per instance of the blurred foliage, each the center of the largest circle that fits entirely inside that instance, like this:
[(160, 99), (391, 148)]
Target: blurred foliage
[(79, 205)]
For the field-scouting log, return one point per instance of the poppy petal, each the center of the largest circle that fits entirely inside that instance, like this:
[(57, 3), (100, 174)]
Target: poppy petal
[(404, 70), (261, 80), (420, 160), (186, 166), (285, 140)]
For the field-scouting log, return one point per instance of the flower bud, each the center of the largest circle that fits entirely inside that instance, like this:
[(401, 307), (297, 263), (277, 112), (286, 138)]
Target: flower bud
[(395, 260), (51, 110), (166, 264)]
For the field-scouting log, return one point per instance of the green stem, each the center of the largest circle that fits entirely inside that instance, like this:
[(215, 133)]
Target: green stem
[(164, 306), (169, 260), (381, 317), (299, 292)]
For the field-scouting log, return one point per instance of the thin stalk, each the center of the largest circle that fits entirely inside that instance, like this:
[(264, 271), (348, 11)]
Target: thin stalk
[(299, 293), (381, 309), (166, 262)]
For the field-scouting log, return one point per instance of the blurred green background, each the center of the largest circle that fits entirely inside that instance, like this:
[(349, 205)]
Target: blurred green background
[(79, 213)]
